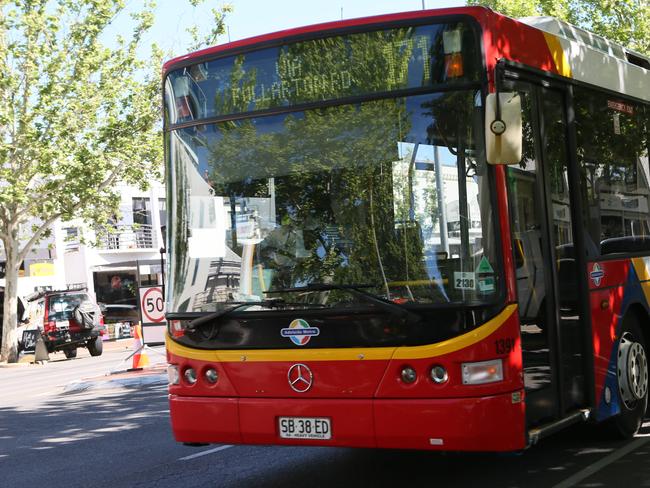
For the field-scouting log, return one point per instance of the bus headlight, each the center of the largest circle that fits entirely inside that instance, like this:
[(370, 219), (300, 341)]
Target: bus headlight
[(408, 375), (190, 376), (439, 374), (211, 376), (482, 372)]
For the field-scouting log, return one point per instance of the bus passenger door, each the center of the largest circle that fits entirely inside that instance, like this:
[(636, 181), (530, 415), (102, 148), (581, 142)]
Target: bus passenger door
[(542, 231)]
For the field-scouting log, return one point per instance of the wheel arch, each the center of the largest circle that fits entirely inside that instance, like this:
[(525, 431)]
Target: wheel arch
[(642, 314)]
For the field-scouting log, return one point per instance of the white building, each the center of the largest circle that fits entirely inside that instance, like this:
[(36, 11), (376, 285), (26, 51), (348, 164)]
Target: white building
[(109, 270)]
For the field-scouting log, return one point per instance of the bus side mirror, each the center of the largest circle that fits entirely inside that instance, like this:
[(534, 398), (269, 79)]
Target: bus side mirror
[(503, 135)]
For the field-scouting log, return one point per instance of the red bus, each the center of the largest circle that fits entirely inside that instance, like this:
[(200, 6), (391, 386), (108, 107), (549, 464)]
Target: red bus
[(427, 230)]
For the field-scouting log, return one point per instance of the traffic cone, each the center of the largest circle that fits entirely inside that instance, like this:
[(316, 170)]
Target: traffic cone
[(140, 358)]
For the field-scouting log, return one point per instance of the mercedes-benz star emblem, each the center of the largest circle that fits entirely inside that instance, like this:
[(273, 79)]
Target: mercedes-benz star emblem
[(300, 378)]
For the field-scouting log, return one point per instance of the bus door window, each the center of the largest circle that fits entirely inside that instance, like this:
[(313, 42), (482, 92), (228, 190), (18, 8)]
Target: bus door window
[(570, 326), (527, 221)]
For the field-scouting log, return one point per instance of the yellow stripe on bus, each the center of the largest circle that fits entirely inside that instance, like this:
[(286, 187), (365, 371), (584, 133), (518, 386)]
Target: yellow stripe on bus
[(457, 343), (558, 54), (346, 354), (642, 268)]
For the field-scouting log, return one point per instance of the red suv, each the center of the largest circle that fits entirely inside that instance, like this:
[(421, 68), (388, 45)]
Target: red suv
[(68, 320)]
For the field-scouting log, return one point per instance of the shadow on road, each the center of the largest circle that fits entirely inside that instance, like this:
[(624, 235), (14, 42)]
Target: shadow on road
[(125, 436), (544, 465), (67, 432)]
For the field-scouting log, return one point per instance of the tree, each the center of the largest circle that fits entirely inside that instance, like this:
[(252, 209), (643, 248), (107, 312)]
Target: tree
[(624, 21), (77, 115)]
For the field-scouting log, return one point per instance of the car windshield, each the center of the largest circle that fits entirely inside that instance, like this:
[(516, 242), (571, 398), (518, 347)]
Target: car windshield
[(392, 194), (61, 306)]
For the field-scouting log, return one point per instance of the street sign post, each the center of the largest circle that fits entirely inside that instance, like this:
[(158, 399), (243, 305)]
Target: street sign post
[(152, 312)]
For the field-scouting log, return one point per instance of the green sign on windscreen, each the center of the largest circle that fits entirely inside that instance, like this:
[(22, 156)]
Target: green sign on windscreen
[(329, 68)]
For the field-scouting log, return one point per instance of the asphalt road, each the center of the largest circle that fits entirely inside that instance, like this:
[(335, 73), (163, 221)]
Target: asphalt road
[(121, 437)]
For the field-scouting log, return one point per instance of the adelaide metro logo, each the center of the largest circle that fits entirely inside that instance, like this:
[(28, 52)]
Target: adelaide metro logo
[(299, 332)]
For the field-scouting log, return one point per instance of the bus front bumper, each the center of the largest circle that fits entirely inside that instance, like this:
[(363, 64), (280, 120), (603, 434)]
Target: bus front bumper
[(494, 423)]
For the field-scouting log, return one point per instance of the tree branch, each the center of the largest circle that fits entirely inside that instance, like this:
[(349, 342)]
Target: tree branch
[(37, 235), (112, 178)]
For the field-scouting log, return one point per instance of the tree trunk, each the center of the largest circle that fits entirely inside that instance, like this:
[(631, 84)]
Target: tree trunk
[(10, 320)]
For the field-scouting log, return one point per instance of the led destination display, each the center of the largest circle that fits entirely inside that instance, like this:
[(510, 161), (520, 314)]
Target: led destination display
[(323, 69)]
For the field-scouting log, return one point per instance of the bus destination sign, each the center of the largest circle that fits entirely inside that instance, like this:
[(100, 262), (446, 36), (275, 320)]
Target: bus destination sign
[(321, 69)]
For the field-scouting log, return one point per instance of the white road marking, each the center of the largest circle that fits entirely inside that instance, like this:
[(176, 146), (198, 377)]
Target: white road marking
[(604, 462), (204, 453)]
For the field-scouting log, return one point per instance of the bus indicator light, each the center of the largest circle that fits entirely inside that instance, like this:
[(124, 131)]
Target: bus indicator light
[(452, 44), (173, 378), (482, 372), (454, 65)]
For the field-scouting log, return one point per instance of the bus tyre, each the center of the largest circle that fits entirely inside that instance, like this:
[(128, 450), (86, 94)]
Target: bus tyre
[(70, 353), (632, 373), (95, 346)]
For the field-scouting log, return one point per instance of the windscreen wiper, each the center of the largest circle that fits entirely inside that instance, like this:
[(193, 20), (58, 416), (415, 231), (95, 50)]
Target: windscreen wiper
[(211, 317), (357, 289)]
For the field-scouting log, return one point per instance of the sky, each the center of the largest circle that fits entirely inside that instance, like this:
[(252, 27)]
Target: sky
[(253, 17)]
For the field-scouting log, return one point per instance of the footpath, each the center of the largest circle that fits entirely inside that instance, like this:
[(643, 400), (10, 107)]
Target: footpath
[(126, 374), (147, 367)]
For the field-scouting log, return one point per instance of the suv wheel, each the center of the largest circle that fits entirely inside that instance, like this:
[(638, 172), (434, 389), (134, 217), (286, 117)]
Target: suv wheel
[(95, 346), (70, 353)]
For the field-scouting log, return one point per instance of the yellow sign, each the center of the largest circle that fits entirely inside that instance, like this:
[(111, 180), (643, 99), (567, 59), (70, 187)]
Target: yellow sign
[(41, 269)]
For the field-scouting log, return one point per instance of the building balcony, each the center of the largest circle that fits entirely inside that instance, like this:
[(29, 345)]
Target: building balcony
[(128, 237)]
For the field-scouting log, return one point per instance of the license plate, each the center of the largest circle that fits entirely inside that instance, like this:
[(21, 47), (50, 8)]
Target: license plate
[(62, 324), (305, 428)]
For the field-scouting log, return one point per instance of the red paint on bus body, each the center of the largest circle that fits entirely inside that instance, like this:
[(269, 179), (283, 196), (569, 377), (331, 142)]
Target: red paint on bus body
[(367, 401), (491, 423)]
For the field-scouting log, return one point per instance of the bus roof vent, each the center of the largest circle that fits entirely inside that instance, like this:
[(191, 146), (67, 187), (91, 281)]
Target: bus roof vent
[(571, 32)]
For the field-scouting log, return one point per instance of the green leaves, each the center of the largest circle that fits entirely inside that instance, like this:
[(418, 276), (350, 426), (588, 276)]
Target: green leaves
[(199, 40), (624, 21), (76, 116)]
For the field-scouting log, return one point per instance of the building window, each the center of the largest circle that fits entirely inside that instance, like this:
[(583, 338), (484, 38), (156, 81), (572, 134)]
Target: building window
[(71, 239)]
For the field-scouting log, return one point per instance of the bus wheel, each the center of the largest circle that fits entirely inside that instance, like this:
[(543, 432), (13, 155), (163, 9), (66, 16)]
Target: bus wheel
[(632, 372)]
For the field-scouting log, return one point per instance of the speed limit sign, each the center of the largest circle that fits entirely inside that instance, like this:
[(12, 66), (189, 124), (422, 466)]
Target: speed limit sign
[(152, 305)]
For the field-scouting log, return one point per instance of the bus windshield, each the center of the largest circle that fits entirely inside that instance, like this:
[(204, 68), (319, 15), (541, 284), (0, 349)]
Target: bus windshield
[(390, 194)]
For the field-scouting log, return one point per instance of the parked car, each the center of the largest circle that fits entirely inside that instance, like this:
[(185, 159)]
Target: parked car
[(67, 319)]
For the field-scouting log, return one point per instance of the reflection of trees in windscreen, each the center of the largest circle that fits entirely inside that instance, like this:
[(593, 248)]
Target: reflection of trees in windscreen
[(453, 120), (320, 69), (332, 172), (612, 146)]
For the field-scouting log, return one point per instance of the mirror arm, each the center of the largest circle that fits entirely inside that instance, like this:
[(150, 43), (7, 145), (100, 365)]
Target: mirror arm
[(497, 90), (498, 127)]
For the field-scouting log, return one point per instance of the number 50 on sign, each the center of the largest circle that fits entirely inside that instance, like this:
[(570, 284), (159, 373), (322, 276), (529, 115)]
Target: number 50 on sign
[(152, 305)]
